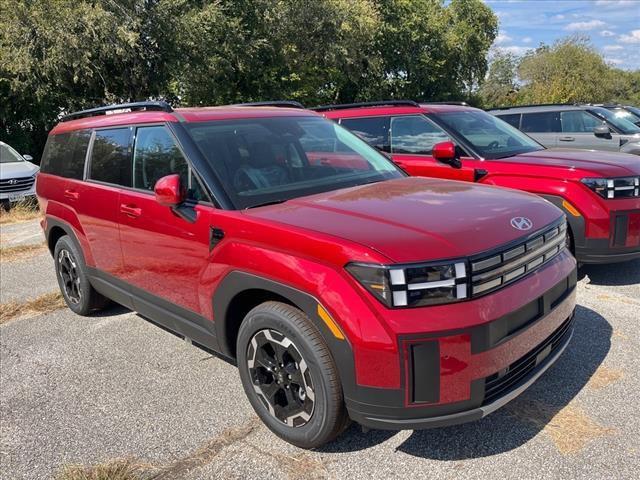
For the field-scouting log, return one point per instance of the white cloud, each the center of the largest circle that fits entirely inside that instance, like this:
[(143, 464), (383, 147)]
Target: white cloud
[(527, 39), (633, 37), (558, 17), (503, 38), (515, 49), (585, 26), (615, 2), (607, 33), (612, 48)]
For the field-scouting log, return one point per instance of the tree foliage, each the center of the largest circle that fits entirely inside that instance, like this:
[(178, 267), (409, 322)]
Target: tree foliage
[(570, 71), (58, 56)]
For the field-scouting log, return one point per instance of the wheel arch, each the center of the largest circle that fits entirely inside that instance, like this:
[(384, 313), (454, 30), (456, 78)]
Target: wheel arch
[(239, 292), (56, 230)]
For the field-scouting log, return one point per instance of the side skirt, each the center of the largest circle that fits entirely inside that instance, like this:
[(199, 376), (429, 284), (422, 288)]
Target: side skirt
[(185, 323)]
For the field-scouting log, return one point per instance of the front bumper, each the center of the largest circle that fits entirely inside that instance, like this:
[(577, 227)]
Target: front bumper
[(622, 245), (462, 376)]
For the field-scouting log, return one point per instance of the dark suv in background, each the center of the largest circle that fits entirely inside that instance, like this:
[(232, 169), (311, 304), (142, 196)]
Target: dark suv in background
[(278, 239), (574, 126)]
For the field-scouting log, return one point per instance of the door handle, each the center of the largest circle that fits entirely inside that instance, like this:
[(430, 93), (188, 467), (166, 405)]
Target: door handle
[(566, 139), (130, 210), (71, 194)]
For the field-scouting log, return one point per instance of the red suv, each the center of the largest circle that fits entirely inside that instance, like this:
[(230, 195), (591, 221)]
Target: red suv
[(598, 191), (276, 238)]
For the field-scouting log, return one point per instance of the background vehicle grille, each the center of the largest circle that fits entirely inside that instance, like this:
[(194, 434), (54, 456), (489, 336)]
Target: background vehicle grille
[(497, 384), (16, 184), (495, 270)]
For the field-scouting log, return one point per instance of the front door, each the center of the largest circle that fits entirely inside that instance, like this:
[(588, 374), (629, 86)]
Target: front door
[(412, 141), (577, 132)]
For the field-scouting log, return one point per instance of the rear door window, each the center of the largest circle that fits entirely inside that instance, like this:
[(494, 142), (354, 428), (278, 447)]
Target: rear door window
[(65, 153), (156, 155), (110, 158), (415, 135), (373, 130), (579, 121), (541, 122)]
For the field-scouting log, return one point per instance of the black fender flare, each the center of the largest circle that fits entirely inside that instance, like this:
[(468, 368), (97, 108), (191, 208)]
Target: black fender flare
[(237, 282), (53, 222)]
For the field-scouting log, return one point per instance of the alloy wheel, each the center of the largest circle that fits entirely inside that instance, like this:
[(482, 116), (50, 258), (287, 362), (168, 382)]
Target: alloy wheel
[(68, 271), (280, 377)]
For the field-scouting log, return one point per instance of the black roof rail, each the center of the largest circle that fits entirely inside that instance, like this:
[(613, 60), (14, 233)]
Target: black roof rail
[(275, 103), (344, 106), (462, 104), (93, 112), (536, 105)]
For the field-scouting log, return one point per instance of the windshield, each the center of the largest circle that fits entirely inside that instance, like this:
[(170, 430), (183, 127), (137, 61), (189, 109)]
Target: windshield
[(625, 126), (490, 137), (635, 111), (271, 160), (8, 154), (626, 114)]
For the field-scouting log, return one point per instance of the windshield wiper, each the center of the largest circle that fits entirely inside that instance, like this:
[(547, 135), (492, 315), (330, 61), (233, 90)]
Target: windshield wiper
[(264, 204)]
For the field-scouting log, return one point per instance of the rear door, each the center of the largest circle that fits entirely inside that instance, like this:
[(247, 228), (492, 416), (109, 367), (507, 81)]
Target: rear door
[(164, 254), (577, 132), (96, 199), (543, 127)]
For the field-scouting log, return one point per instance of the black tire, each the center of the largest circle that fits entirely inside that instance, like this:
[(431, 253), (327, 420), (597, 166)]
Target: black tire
[(328, 416), (76, 290)]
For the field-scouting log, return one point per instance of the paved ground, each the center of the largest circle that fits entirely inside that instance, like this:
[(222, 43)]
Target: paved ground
[(87, 390)]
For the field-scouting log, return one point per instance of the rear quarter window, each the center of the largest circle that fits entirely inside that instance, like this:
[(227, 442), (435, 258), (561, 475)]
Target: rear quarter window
[(110, 158), (64, 154)]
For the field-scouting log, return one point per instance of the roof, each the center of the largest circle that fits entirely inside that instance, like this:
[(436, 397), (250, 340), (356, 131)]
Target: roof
[(537, 108), (194, 114), (373, 111)]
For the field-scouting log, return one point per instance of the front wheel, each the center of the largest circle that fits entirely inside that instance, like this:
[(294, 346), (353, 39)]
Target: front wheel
[(289, 375)]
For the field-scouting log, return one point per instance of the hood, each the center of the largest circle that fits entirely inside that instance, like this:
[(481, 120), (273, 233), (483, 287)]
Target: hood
[(597, 162), (417, 219), (17, 170)]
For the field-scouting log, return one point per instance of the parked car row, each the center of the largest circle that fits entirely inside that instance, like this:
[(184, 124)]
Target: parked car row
[(342, 288)]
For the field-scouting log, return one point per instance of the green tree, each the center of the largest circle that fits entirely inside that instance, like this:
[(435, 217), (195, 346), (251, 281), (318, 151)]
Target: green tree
[(500, 88)]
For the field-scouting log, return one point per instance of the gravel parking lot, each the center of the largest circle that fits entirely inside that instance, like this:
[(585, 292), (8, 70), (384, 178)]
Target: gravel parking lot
[(87, 391)]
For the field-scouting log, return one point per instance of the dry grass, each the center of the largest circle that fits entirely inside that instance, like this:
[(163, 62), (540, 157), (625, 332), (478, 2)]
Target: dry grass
[(570, 428), (20, 212), (20, 252), (42, 304), (120, 469)]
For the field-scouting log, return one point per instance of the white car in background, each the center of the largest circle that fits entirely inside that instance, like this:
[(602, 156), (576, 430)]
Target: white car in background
[(17, 176)]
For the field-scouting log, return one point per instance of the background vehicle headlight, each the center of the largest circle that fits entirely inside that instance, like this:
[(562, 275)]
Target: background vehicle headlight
[(413, 285), (622, 187)]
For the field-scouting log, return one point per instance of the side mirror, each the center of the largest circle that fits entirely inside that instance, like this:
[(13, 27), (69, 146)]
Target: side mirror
[(169, 191), (445, 152), (602, 131), (28, 158)]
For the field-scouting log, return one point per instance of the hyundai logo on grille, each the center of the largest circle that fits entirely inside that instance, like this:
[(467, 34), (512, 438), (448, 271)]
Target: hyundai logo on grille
[(13, 181), (521, 223)]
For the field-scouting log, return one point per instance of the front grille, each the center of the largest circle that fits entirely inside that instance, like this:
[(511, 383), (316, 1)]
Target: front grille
[(500, 383), (16, 184), (495, 270)]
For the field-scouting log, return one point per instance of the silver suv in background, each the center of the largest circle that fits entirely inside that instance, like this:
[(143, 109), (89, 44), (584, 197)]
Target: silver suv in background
[(574, 126), (626, 112), (17, 176)]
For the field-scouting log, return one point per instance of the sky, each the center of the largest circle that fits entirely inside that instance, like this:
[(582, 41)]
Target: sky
[(612, 25)]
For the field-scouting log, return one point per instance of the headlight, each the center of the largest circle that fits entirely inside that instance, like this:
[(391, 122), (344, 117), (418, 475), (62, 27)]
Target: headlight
[(413, 285), (622, 187)]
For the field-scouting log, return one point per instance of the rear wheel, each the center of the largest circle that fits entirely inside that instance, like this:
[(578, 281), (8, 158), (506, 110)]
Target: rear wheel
[(72, 277), (289, 375)]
